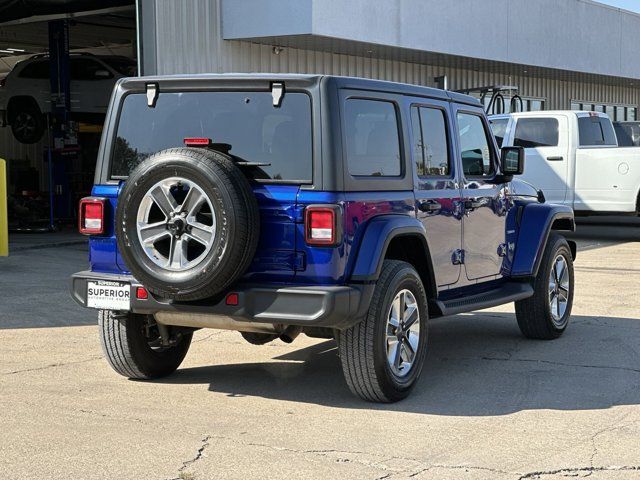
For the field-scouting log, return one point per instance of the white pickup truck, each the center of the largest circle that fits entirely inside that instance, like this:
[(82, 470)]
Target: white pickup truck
[(574, 158)]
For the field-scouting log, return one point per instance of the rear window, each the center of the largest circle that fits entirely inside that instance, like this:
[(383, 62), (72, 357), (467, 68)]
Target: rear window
[(536, 132), (372, 139), (499, 129), (596, 131), (628, 134), (248, 121)]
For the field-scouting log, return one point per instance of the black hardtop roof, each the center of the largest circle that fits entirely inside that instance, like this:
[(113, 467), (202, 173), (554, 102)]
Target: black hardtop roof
[(356, 83)]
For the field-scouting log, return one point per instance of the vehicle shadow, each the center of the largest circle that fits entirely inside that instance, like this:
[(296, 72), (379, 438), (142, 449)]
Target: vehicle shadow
[(478, 365)]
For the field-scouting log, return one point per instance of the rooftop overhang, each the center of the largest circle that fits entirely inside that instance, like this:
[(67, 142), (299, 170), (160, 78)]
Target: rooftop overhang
[(24, 11), (575, 40)]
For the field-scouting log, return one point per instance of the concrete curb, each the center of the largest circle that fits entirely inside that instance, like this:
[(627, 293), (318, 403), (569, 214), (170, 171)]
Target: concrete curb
[(46, 245)]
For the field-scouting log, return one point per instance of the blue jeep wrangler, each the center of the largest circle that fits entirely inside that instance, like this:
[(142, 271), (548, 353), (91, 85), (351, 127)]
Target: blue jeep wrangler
[(336, 207)]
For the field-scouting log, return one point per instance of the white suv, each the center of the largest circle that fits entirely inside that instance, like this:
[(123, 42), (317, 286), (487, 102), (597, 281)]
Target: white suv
[(25, 94)]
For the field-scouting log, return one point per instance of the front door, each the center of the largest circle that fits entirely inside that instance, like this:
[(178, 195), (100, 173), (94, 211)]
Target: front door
[(546, 143), (484, 203), (437, 190)]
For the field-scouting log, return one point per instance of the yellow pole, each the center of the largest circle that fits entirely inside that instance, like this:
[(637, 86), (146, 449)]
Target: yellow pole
[(4, 219)]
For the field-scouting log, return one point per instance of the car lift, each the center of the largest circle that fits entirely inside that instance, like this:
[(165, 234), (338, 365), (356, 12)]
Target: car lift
[(58, 154)]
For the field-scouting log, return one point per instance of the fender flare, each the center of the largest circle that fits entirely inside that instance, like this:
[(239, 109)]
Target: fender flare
[(379, 233), (535, 225)]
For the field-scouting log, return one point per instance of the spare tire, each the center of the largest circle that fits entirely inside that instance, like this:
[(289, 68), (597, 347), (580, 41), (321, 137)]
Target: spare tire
[(187, 223)]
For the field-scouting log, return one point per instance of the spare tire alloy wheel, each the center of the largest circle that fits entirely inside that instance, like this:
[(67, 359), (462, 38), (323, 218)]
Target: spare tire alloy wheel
[(184, 237), (187, 223)]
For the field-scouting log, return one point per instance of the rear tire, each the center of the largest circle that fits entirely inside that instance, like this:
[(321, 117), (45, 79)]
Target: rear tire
[(539, 317), (127, 348), (369, 350)]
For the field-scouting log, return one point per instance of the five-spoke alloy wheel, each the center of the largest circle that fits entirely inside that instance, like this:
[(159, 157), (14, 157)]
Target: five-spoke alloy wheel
[(545, 315), (176, 224), (403, 333), (382, 356)]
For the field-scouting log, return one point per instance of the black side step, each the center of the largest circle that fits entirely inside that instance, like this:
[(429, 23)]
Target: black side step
[(506, 293)]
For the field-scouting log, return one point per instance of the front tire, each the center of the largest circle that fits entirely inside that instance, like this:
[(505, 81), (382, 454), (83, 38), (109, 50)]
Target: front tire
[(131, 346), (545, 315), (27, 123), (383, 355)]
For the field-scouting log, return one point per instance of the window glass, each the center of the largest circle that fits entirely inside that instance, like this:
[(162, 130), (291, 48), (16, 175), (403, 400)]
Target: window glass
[(38, 69), (86, 68), (536, 105), (625, 134), (632, 114), (499, 129), (122, 65), (432, 148), (372, 140), (595, 131), (536, 132), (575, 106), (257, 132), (474, 145), (618, 114)]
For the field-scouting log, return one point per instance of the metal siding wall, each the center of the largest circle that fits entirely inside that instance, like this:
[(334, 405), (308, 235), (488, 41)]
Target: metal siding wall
[(189, 41)]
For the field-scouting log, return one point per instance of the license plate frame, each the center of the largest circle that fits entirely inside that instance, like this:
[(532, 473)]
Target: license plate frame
[(107, 295)]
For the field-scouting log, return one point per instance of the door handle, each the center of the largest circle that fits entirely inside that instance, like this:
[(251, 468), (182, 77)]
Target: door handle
[(429, 206), (555, 159)]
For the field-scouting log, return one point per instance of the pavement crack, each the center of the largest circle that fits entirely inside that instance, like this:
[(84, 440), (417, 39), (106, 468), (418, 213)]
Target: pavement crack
[(462, 467), (578, 470), (204, 443), (52, 365)]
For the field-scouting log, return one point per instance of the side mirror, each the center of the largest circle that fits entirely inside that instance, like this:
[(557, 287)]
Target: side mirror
[(102, 74), (512, 161)]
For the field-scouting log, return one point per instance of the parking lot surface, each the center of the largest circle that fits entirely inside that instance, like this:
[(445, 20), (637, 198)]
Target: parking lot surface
[(490, 404)]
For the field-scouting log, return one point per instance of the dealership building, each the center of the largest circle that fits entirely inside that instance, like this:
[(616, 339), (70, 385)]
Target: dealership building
[(560, 54)]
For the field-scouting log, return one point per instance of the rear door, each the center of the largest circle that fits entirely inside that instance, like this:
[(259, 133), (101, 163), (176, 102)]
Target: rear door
[(437, 190), (606, 177), (275, 141), (546, 143)]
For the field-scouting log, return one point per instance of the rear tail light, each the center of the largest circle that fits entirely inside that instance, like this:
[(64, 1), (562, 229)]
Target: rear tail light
[(232, 299), (92, 213), (142, 293), (321, 225)]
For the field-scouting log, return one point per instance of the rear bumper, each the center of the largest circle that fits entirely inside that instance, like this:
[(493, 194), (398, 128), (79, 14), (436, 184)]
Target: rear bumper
[(314, 306)]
